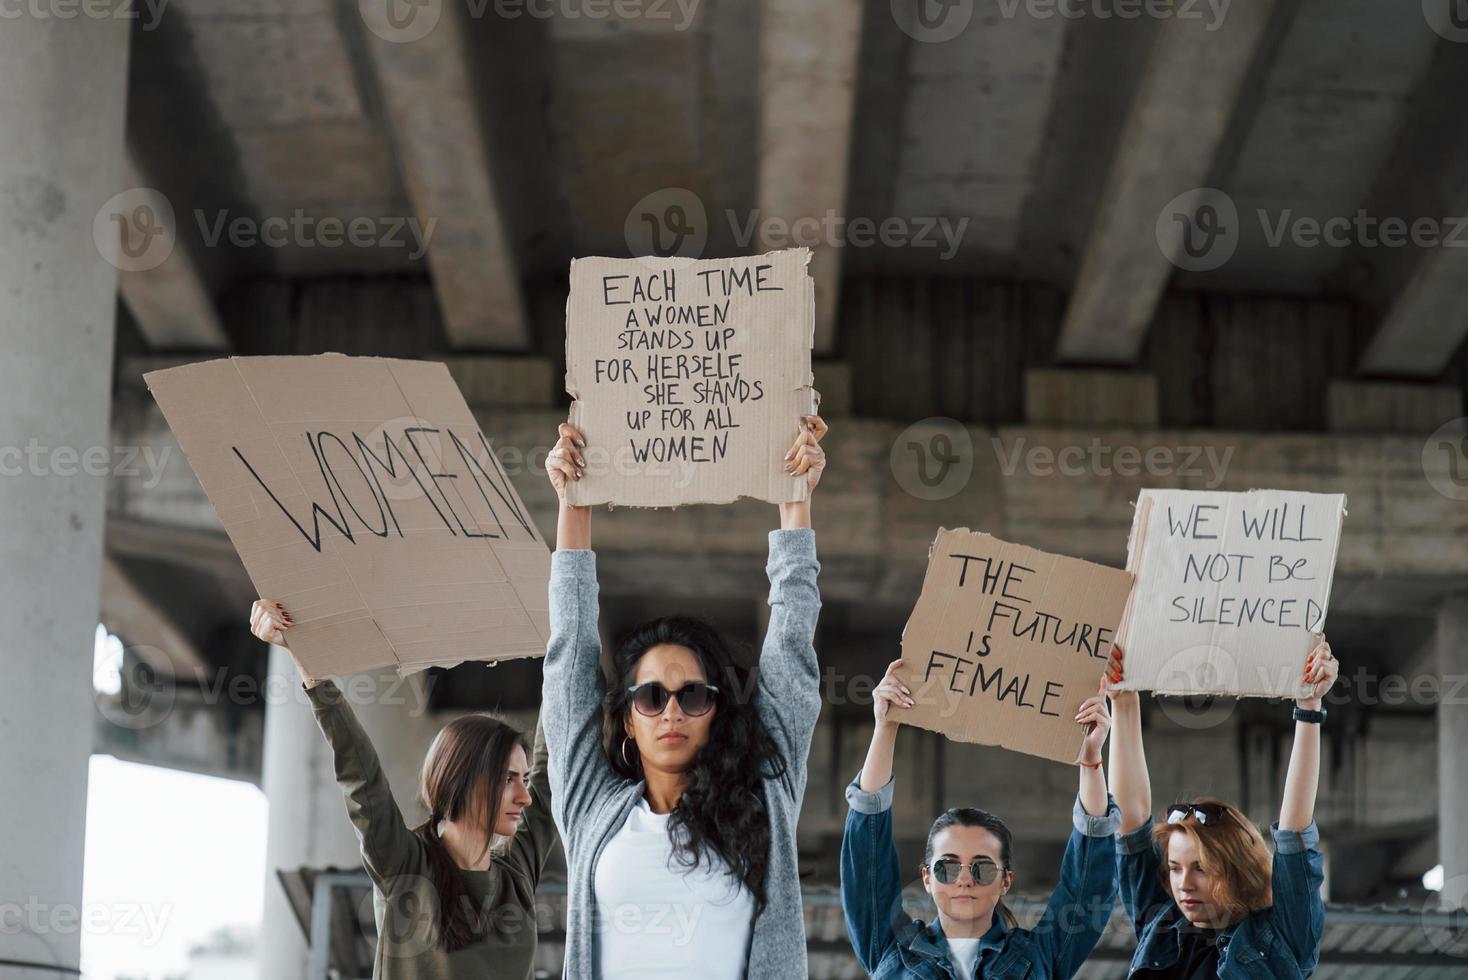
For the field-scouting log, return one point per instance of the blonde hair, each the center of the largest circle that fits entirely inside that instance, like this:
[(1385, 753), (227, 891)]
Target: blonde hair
[(1231, 850)]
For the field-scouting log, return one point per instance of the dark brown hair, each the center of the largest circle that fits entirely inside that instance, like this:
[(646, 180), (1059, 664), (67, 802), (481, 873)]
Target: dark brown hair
[(463, 779), (1233, 851), (970, 816)]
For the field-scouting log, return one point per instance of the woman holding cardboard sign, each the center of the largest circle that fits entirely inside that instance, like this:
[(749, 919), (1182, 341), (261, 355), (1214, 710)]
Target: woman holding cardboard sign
[(967, 869), (455, 896), (677, 789), (1204, 895)]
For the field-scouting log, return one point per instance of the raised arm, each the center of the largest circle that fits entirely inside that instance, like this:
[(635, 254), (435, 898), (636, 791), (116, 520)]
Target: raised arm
[(1079, 908), (1303, 778), (789, 696), (876, 772), (534, 841), (1299, 865), (1096, 721), (1138, 862), (388, 846), (1130, 781), (572, 686), (871, 878)]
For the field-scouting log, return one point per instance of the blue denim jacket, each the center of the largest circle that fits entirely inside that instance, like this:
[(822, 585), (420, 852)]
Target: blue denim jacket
[(1278, 943), (891, 944)]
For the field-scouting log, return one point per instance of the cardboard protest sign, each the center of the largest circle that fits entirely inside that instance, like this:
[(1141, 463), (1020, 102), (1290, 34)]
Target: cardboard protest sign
[(361, 495), (689, 377), (1231, 588), (1006, 642)]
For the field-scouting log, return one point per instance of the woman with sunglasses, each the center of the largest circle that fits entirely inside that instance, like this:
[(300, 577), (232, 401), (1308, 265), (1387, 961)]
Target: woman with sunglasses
[(1205, 897), (967, 870), (678, 786), (454, 896)]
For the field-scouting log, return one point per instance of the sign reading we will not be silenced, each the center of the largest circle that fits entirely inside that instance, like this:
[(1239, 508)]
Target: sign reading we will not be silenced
[(689, 377), (361, 495), (1006, 642), (1231, 588)]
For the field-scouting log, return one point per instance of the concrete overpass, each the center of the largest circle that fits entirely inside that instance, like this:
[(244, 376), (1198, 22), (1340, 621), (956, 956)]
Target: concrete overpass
[(1030, 309)]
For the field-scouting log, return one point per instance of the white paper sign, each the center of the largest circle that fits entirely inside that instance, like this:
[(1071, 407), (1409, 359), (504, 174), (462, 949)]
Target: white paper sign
[(1231, 588)]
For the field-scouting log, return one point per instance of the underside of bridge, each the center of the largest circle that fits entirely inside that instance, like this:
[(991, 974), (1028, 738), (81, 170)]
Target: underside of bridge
[(998, 284)]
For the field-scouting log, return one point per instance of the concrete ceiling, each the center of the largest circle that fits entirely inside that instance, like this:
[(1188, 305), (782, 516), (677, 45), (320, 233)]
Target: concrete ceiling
[(1048, 140)]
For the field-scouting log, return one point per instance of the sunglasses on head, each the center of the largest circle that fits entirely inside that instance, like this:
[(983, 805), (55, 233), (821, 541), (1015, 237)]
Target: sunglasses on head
[(1207, 814), (694, 698), (983, 871)]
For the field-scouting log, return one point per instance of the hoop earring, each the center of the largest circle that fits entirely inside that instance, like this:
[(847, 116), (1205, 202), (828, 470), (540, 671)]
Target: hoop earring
[(625, 761)]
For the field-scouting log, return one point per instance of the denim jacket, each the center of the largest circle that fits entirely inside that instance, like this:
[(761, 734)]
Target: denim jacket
[(1278, 943), (890, 944)]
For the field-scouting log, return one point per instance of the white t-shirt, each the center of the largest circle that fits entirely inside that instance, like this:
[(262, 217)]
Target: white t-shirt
[(655, 918), (964, 953)]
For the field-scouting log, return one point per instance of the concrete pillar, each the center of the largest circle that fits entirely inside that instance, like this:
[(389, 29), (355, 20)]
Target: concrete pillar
[(62, 88), (1452, 760), (308, 819)]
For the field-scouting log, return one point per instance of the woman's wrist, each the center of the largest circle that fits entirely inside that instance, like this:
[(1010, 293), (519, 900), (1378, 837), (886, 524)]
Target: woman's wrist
[(795, 513), (1308, 704), (573, 527)]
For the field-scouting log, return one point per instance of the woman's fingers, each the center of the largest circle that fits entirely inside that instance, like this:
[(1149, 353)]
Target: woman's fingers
[(566, 451), (564, 461), (269, 621), (812, 429), (568, 431), (893, 694), (803, 441), (807, 459), (1115, 664)]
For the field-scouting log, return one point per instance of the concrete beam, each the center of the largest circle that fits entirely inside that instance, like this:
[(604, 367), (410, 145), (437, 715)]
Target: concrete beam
[(129, 612), (807, 90), (1088, 397), (444, 153), (1366, 406), (170, 302), (1066, 490), (1428, 321), (1173, 133)]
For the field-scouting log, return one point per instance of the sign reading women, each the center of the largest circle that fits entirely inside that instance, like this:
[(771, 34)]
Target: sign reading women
[(361, 495), (1006, 642), (1231, 588), (689, 377)]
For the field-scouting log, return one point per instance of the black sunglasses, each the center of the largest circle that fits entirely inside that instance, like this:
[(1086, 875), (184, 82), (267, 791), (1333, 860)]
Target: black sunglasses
[(983, 871), (1204, 813), (695, 698)]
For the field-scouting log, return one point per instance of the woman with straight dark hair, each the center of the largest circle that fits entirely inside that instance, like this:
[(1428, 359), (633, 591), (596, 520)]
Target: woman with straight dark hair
[(678, 785), (454, 897), (1204, 895), (968, 868)]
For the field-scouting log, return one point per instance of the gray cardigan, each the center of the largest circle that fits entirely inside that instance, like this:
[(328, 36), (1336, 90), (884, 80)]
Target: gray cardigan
[(591, 802)]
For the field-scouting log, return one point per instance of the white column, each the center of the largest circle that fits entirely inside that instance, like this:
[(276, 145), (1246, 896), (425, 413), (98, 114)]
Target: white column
[(1452, 752), (308, 819), (62, 94)]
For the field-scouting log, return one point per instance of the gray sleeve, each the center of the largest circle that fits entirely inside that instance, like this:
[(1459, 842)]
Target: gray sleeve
[(571, 692), (789, 695)]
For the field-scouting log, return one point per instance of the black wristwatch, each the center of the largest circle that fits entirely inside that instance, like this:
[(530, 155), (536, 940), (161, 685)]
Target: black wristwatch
[(1313, 717)]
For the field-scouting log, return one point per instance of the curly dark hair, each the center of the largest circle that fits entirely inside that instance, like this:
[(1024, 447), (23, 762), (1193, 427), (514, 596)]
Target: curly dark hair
[(722, 813)]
